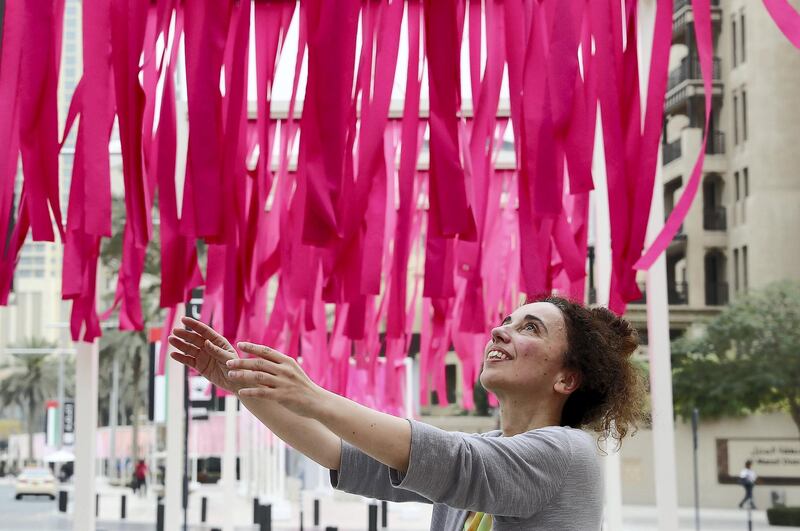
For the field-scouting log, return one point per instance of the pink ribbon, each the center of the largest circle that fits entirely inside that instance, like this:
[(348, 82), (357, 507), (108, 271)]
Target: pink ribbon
[(702, 15), (786, 18)]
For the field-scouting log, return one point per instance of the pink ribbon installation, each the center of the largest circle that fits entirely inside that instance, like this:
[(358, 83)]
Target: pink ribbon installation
[(325, 260)]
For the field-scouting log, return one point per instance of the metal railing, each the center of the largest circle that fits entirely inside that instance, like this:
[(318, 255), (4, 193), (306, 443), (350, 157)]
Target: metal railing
[(689, 69), (716, 143), (672, 151), (678, 293), (680, 4), (716, 293), (714, 219)]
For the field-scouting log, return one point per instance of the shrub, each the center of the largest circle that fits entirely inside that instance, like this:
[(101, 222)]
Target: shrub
[(788, 516)]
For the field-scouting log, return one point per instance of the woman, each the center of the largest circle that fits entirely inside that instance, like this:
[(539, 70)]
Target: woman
[(555, 367)]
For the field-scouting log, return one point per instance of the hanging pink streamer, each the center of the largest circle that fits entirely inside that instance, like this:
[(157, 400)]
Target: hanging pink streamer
[(42, 22), (786, 18), (702, 14)]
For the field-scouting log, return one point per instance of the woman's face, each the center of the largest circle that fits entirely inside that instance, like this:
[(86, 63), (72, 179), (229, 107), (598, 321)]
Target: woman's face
[(526, 352)]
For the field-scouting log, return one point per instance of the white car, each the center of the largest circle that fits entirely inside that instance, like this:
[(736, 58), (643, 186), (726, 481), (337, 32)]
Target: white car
[(36, 482)]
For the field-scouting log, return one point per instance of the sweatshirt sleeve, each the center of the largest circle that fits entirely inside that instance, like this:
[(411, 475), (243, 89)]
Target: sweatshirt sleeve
[(510, 476), (361, 474)]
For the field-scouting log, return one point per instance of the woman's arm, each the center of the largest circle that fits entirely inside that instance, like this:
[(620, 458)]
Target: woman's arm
[(280, 379), (510, 476), (202, 348), (305, 435)]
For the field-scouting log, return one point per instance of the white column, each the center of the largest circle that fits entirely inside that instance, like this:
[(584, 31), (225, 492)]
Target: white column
[(86, 373), (229, 459), (611, 461), (408, 400), (658, 318), (173, 488), (113, 415)]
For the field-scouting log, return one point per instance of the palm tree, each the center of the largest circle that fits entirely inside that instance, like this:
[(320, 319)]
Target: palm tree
[(28, 382)]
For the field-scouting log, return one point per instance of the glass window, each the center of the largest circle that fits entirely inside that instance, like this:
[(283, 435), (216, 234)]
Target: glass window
[(743, 41), (733, 41), (736, 270), (746, 176), (736, 184), (744, 114), (735, 119), (744, 267)]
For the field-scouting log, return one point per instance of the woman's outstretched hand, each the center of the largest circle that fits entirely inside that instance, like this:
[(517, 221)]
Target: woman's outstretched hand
[(276, 377), (204, 350)]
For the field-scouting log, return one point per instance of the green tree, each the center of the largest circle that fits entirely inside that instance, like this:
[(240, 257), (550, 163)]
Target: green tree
[(28, 381), (747, 359)]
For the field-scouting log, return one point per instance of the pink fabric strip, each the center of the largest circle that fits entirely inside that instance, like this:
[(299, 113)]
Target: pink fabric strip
[(702, 14), (450, 213), (643, 177), (42, 22), (332, 32), (206, 29), (786, 18), (12, 39)]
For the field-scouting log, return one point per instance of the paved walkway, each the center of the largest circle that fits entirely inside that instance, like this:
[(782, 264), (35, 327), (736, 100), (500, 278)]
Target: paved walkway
[(347, 513)]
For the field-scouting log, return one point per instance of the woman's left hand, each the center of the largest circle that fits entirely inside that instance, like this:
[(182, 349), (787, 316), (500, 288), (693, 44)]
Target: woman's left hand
[(277, 377)]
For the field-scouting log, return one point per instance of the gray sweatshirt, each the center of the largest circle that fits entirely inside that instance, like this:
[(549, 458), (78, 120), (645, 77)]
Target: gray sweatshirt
[(543, 479)]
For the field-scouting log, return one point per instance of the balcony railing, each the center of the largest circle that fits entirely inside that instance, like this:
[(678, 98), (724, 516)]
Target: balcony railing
[(714, 219), (716, 293), (678, 293), (716, 143), (680, 4), (689, 69), (672, 151)]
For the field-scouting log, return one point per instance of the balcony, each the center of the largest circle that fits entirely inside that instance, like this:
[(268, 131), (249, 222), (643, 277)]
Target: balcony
[(672, 151), (686, 81), (716, 293), (714, 219)]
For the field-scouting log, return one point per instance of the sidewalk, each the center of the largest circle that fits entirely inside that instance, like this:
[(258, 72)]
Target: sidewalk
[(349, 513)]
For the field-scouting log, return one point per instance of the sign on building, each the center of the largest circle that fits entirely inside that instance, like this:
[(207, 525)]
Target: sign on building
[(776, 461), (69, 422)]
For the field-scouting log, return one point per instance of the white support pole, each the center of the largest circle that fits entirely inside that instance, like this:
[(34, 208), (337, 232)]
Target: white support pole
[(173, 483), (408, 400), (113, 415), (229, 459), (659, 353), (611, 461), (86, 375)]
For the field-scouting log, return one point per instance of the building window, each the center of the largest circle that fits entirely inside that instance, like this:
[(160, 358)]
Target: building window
[(733, 41), (736, 184), (744, 268), (741, 28), (744, 115), (746, 178), (735, 119), (736, 270)]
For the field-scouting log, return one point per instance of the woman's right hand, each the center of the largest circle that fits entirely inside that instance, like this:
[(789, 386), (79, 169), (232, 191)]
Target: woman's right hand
[(204, 350)]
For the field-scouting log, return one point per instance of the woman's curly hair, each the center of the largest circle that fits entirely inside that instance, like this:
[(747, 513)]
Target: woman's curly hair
[(611, 396)]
